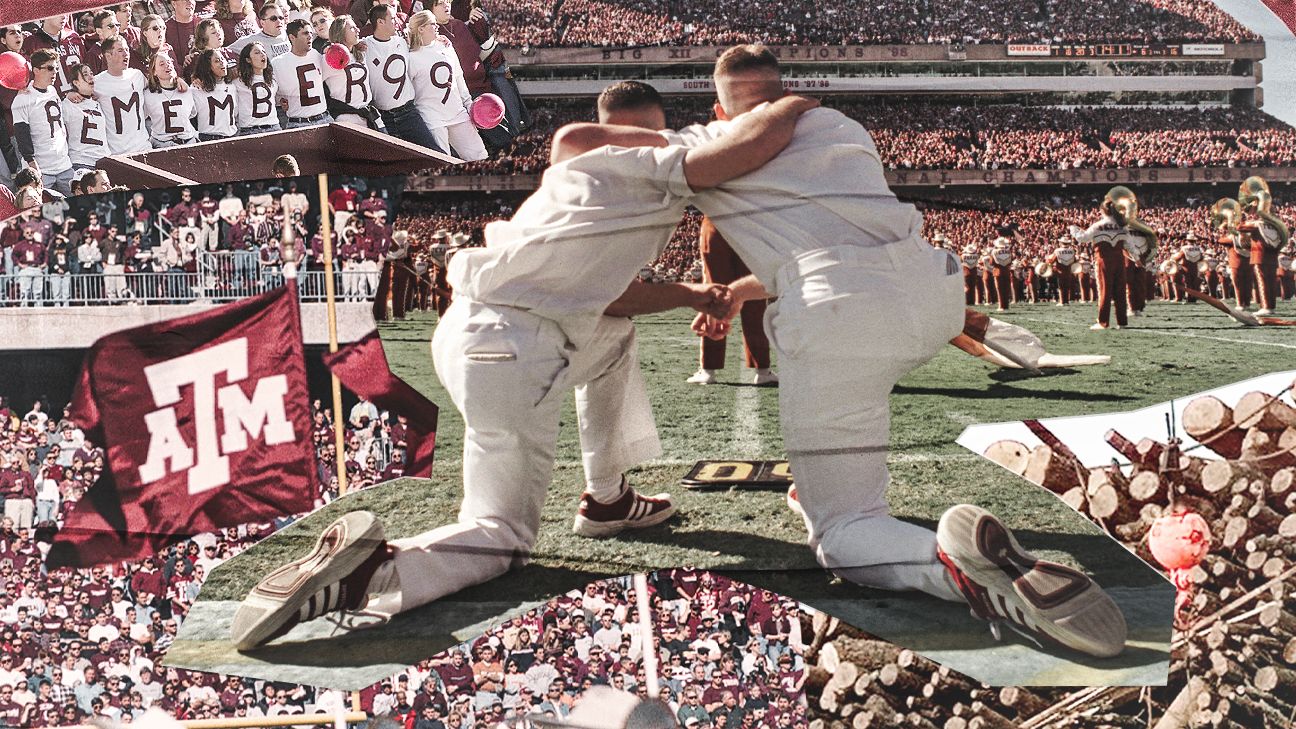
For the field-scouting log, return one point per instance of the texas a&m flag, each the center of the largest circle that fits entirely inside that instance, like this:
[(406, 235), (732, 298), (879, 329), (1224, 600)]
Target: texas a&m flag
[(206, 423)]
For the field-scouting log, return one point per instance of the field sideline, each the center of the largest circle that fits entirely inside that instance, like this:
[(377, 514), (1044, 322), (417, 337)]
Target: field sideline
[(1176, 350)]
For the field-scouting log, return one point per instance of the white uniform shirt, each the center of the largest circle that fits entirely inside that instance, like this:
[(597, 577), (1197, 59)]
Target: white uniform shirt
[(826, 189), (85, 132), (1066, 255), (439, 90), (43, 115), (349, 84), (215, 111), (255, 103), (300, 80), (121, 100), (170, 114), (388, 66), (574, 245), (274, 46), (1105, 232)]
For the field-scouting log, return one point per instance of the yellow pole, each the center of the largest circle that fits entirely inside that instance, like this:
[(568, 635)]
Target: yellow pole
[(330, 293)]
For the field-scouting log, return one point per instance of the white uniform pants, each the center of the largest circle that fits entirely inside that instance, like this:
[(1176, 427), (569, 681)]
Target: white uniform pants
[(462, 139), (849, 324), (508, 372)]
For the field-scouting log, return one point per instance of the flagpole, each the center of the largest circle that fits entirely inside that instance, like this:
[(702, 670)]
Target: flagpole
[(330, 293)]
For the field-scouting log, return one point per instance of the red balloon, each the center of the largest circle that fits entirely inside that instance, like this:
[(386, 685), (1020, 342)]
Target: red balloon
[(1179, 541), (487, 111), (15, 71), (337, 56)]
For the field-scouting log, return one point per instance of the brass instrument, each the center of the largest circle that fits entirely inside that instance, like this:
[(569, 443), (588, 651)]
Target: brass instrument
[(1170, 267), (1043, 270), (1254, 193), (1121, 204), (1226, 215), (1077, 268), (1203, 267)]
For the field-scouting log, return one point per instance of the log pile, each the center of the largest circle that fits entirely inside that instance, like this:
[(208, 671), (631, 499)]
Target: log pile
[(1234, 654)]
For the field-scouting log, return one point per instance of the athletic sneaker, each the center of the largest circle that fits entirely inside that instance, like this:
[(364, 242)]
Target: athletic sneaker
[(629, 511), (793, 502), (1264, 312), (350, 557), (1041, 600), (1098, 327), (704, 377), (765, 376)]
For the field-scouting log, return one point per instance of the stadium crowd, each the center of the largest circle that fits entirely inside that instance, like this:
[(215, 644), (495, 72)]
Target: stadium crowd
[(1032, 220), (202, 242), (151, 74), (86, 644), (576, 23), (913, 134)]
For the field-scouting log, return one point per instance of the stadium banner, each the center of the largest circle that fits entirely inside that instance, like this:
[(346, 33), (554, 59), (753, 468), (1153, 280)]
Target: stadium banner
[(206, 423), (1030, 49), (1203, 49)]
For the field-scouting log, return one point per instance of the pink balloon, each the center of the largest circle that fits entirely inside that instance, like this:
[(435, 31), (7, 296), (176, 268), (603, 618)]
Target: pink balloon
[(1179, 541), (487, 111), (337, 56), (15, 71)]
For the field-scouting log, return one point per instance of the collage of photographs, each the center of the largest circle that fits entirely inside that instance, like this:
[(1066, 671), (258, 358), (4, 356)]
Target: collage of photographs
[(363, 364)]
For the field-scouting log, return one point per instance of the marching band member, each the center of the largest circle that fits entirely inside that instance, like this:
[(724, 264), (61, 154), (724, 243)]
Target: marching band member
[(1267, 235), (1188, 259), (1001, 276), (1140, 253), (1062, 259), (985, 265), (1107, 236), (1287, 273), (973, 289), (1088, 287), (1226, 216)]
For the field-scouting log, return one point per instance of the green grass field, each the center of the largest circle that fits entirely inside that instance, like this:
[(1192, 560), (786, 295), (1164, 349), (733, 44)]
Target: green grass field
[(1174, 351)]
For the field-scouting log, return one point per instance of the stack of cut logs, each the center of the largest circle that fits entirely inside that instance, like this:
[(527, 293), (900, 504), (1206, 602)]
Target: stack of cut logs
[(1234, 654)]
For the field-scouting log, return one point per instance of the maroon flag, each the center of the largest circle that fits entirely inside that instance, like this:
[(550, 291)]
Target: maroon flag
[(362, 368), (206, 424)]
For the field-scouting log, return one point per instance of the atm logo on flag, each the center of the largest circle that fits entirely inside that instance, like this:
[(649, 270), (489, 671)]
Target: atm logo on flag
[(224, 418)]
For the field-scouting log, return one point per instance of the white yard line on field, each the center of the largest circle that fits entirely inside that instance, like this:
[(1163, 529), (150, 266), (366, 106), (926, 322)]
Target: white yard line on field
[(1187, 335), (746, 440)]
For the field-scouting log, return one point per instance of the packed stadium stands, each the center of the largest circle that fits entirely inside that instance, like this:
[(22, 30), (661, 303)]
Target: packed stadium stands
[(87, 644), (201, 243), (913, 134), (576, 23)]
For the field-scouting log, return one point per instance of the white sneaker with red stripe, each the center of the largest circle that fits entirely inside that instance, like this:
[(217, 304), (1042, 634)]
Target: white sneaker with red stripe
[(793, 502), (350, 557), (629, 511), (1007, 585)]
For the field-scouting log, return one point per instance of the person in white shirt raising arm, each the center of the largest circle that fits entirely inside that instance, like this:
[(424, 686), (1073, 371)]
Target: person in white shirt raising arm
[(38, 124)]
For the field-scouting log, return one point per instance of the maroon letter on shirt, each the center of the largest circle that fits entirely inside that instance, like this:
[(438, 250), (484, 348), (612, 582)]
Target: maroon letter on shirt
[(53, 115), (213, 104), (262, 100), (168, 113), (119, 106), (87, 124), (304, 86), (355, 78)]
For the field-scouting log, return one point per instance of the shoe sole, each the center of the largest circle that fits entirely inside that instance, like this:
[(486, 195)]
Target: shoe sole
[(586, 527), (1068, 607), (342, 547)]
